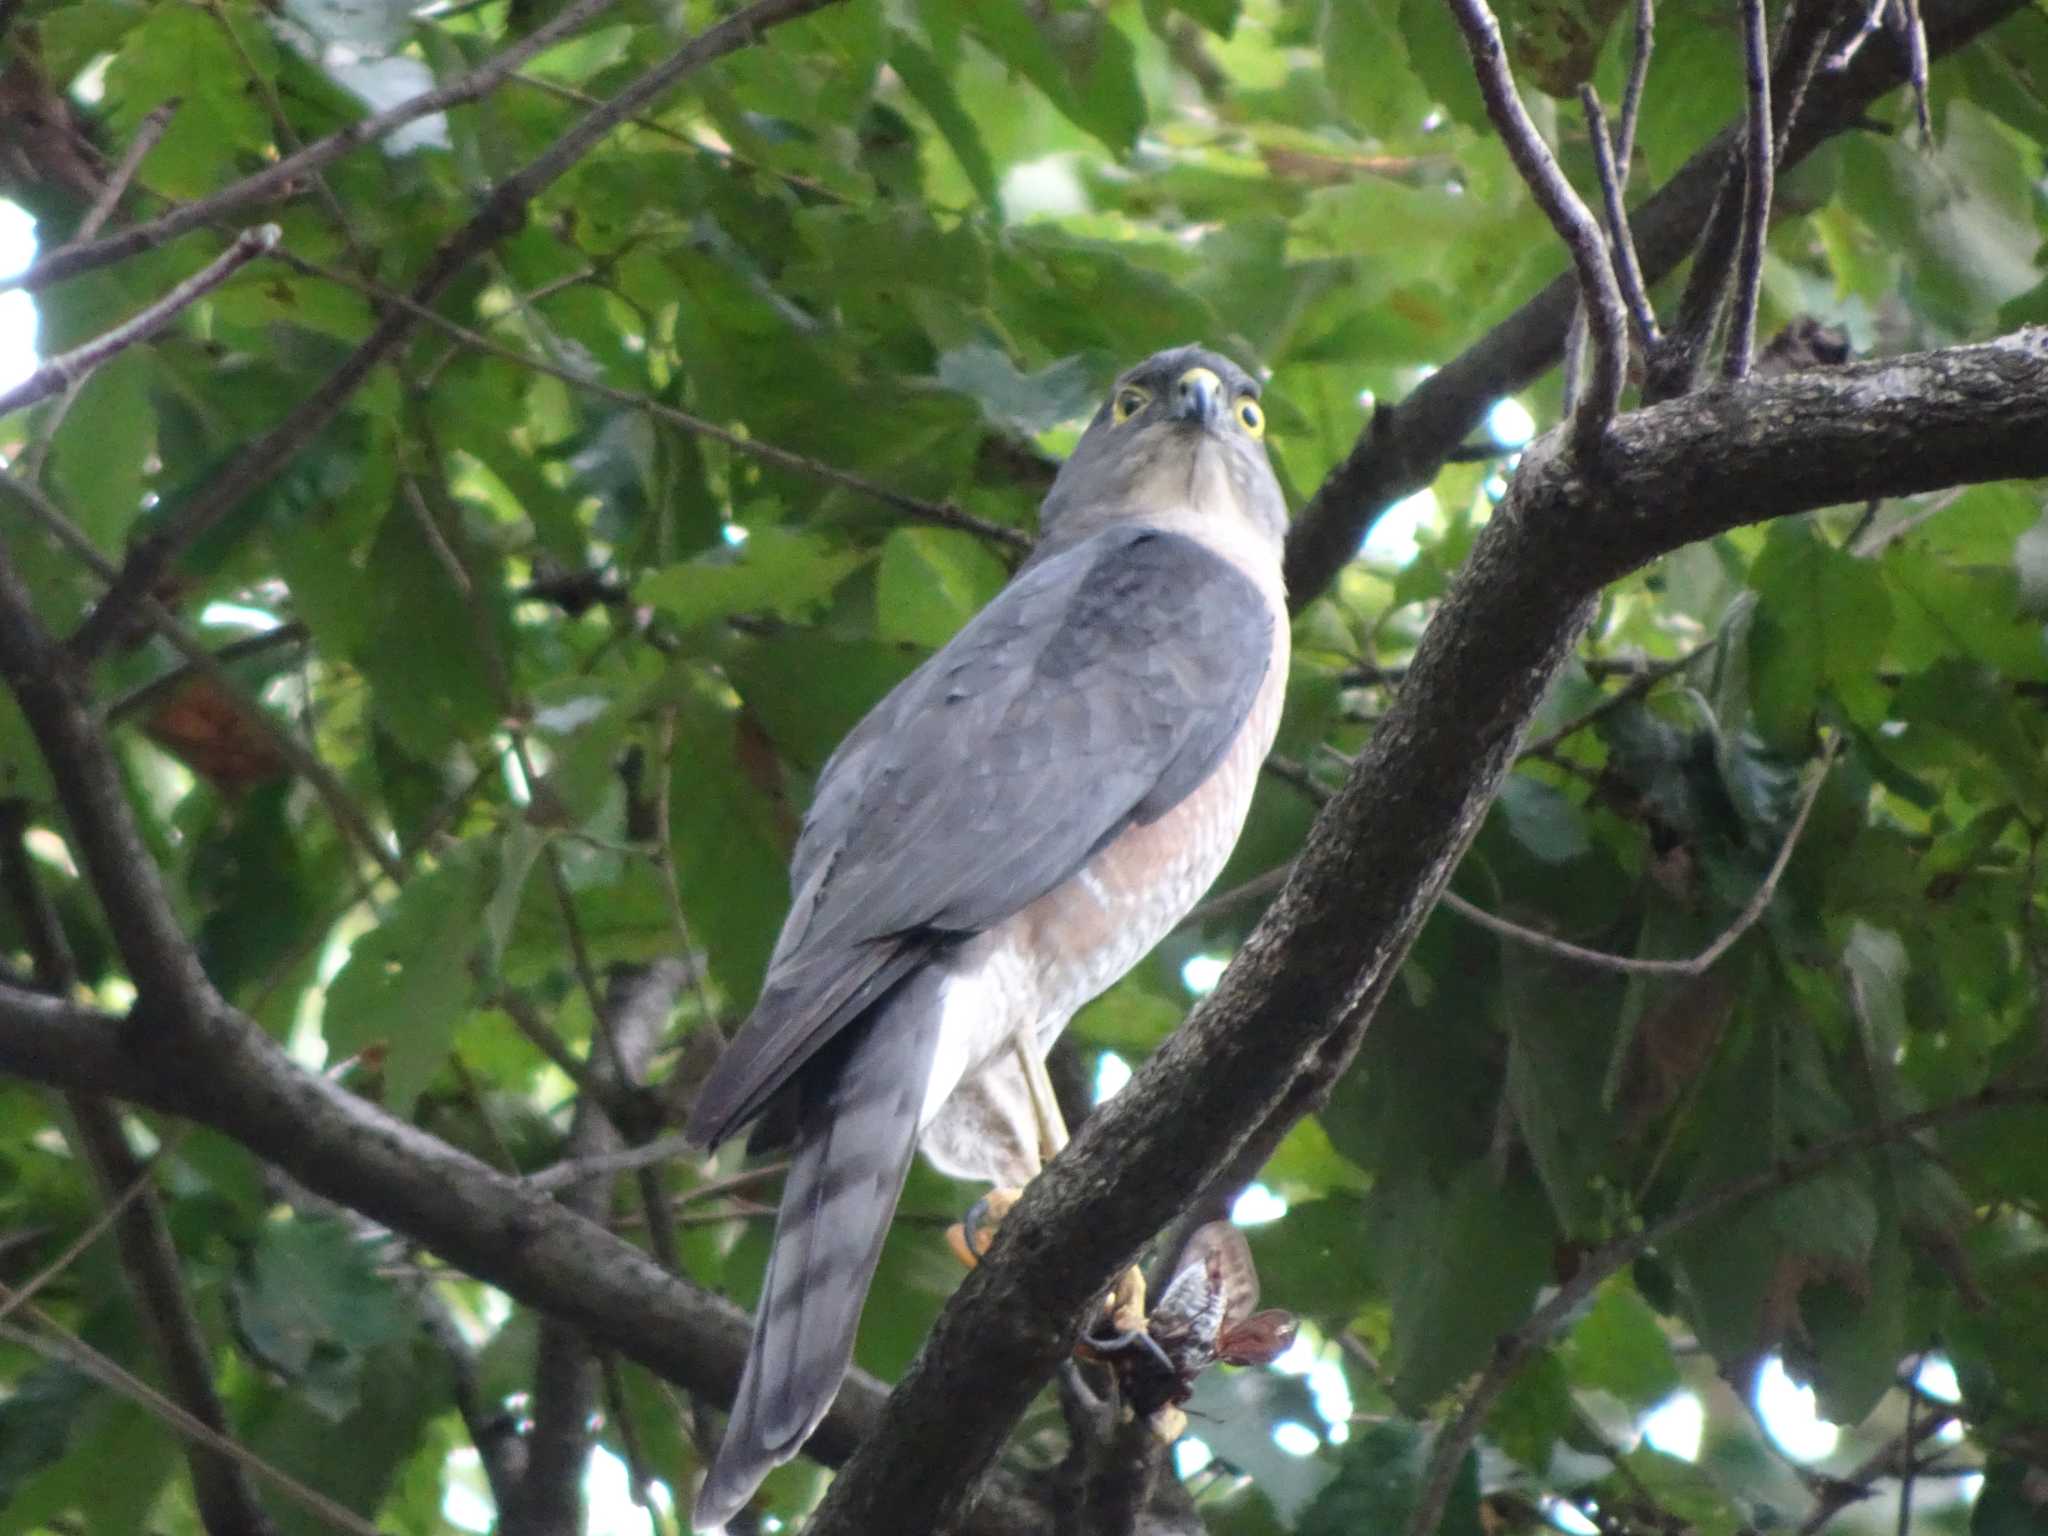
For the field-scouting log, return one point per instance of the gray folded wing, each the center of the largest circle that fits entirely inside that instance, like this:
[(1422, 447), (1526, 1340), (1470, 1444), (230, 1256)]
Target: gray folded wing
[(1098, 690)]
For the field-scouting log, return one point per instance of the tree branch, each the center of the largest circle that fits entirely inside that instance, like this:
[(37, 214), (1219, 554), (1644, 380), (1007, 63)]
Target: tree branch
[(348, 817), (1611, 170), (71, 368), (1759, 153), (1402, 447), (1606, 319), (1691, 965), (147, 134), (276, 179), (1290, 1011), (938, 514), (566, 1377), (1512, 1349), (502, 213), (225, 1498)]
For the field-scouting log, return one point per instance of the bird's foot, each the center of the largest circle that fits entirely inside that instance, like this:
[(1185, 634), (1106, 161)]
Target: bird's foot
[(1124, 1306), (970, 1238)]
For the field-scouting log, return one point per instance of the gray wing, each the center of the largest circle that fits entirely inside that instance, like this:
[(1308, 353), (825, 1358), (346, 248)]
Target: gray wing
[(1098, 690)]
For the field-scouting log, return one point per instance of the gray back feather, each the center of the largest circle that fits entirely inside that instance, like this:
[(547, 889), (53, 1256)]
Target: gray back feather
[(1097, 691)]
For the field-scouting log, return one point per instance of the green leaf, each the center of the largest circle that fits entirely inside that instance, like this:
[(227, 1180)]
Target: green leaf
[(1543, 820), (1534, 1413), (932, 581), (1078, 58), (2009, 1504), (421, 645), (1555, 43), (309, 1304), (1821, 621), (1557, 1069), (1379, 1481), (400, 1387), (1026, 404), (1313, 1261), (1858, 1329), (773, 571), (187, 55), (408, 980), (926, 81), (98, 454), (1618, 1347), (1366, 59), (731, 833), (1473, 1256)]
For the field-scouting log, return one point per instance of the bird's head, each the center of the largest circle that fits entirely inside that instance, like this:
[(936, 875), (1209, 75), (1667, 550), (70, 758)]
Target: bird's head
[(1179, 440)]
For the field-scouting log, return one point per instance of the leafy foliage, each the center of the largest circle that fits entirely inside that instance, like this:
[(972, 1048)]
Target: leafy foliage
[(578, 662)]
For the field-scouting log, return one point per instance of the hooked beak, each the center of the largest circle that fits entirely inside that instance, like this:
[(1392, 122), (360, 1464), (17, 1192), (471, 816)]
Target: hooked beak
[(1198, 397)]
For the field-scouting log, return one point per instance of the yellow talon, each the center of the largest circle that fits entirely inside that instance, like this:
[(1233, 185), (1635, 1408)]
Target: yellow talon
[(1126, 1302), (970, 1239)]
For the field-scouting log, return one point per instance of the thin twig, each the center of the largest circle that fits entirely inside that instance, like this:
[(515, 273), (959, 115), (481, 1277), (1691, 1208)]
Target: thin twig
[(65, 371), (288, 138), (1631, 965), (350, 818), (1254, 889), (640, 1473), (110, 1212), (1844, 56), (938, 514), (543, 1038), (68, 1349), (1612, 175), (263, 641), (502, 212), (1894, 1458), (276, 179), (1759, 169), (1512, 1349), (1916, 68), (1606, 317), (1634, 689), (147, 132), (1638, 76)]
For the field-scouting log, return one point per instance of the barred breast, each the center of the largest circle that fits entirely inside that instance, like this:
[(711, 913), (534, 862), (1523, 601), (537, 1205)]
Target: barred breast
[(1028, 976)]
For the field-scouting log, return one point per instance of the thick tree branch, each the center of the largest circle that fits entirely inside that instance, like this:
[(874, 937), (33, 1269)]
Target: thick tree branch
[(502, 213), (1283, 1024), (348, 1150), (1403, 446), (1291, 1010)]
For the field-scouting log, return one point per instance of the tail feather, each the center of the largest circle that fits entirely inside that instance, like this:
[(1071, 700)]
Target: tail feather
[(857, 1134)]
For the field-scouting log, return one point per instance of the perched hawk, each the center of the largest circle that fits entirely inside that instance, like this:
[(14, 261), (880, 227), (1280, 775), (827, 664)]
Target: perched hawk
[(1004, 836)]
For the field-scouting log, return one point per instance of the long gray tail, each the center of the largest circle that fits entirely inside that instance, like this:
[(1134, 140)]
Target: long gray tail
[(857, 1131)]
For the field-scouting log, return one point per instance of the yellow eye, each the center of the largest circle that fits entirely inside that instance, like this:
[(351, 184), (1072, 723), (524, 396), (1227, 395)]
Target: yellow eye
[(1129, 401), (1253, 418)]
